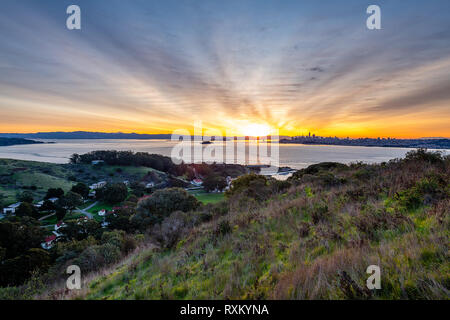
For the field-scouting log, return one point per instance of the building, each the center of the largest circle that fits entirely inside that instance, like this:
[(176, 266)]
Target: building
[(150, 185), (49, 242), (97, 162), (59, 225), (97, 185), (39, 204), (197, 182), (12, 208), (102, 212)]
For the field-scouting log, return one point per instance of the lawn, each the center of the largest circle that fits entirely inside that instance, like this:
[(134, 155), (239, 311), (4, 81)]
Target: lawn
[(206, 197), (99, 206)]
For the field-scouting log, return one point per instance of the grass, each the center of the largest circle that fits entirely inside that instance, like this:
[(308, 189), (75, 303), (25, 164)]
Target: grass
[(206, 197), (311, 240), (264, 255), (100, 206), (17, 176)]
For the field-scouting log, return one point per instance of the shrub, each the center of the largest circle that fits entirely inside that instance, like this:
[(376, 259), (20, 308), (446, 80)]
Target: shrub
[(320, 213), (251, 185), (171, 229), (424, 155), (223, 228), (113, 193), (162, 203)]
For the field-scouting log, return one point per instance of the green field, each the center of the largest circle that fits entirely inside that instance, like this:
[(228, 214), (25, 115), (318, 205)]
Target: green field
[(99, 206), (17, 176), (206, 197)]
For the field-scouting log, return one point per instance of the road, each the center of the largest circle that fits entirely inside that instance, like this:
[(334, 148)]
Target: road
[(85, 212)]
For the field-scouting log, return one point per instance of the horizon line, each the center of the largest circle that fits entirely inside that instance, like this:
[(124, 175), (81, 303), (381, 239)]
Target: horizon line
[(225, 136)]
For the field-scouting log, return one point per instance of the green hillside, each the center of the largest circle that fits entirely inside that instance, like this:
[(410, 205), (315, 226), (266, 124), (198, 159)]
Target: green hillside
[(313, 240), (17, 176)]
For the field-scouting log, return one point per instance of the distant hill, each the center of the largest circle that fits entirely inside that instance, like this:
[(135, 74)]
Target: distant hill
[(16, 141), (93, 135), (84, 135)]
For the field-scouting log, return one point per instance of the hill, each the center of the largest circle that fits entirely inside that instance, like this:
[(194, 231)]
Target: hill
[(16, 141), (17, 176), (85, 135), (312, 237)]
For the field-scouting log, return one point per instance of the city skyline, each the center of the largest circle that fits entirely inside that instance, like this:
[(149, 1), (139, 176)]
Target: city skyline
[(154, 67)]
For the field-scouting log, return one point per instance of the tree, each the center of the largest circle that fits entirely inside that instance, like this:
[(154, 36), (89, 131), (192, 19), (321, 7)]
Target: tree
[(251, 185), (26, 196), (114, 193), (74, 158), (47, 206), (17, 237), (54, 193), (60, 213), (80, 230), (213, 182), (25, 209), (120, 219), (69, 201), (82, 189), (161, 204), (138, 189)]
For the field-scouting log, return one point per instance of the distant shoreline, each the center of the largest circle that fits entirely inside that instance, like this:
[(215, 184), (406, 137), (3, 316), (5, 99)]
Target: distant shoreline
[(6, 142), (368, 142)]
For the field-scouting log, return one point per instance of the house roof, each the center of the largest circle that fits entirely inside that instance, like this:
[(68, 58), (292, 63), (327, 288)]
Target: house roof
[(15, 205), (50, 238)]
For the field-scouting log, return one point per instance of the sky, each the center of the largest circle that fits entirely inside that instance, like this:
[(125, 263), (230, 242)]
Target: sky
[(241, 66)]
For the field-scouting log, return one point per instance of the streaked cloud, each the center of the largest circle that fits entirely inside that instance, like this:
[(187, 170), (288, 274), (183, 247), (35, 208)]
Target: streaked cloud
[(155, 66)]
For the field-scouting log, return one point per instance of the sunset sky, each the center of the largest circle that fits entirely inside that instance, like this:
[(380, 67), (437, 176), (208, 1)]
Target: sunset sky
[(156, 66)]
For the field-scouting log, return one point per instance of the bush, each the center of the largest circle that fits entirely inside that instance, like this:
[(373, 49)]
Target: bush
[(223, 228), (213, 182), (250, 185), (162, 203), (82, 189), (171, 229), (113, 193), (320, 213), (424, 155)]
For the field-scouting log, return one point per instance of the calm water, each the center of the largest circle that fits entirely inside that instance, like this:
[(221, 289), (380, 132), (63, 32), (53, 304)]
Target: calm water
[(294, 156)]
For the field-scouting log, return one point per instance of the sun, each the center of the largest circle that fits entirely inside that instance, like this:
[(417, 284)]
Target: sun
[(256, 130)]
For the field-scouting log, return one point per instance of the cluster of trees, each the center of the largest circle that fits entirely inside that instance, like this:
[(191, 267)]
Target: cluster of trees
[(256, 187), (20, 252), (112, 193), (161, 203), (164, 164), (127, 158)]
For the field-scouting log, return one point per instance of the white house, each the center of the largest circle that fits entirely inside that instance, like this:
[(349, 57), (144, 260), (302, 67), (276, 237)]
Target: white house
[(96, 162), (150, 185), (59, 225), (97, 185), (39, 204), (12, 208), (105, 224), (49, 242), (197, 182), (102, 212), (53, 199)]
